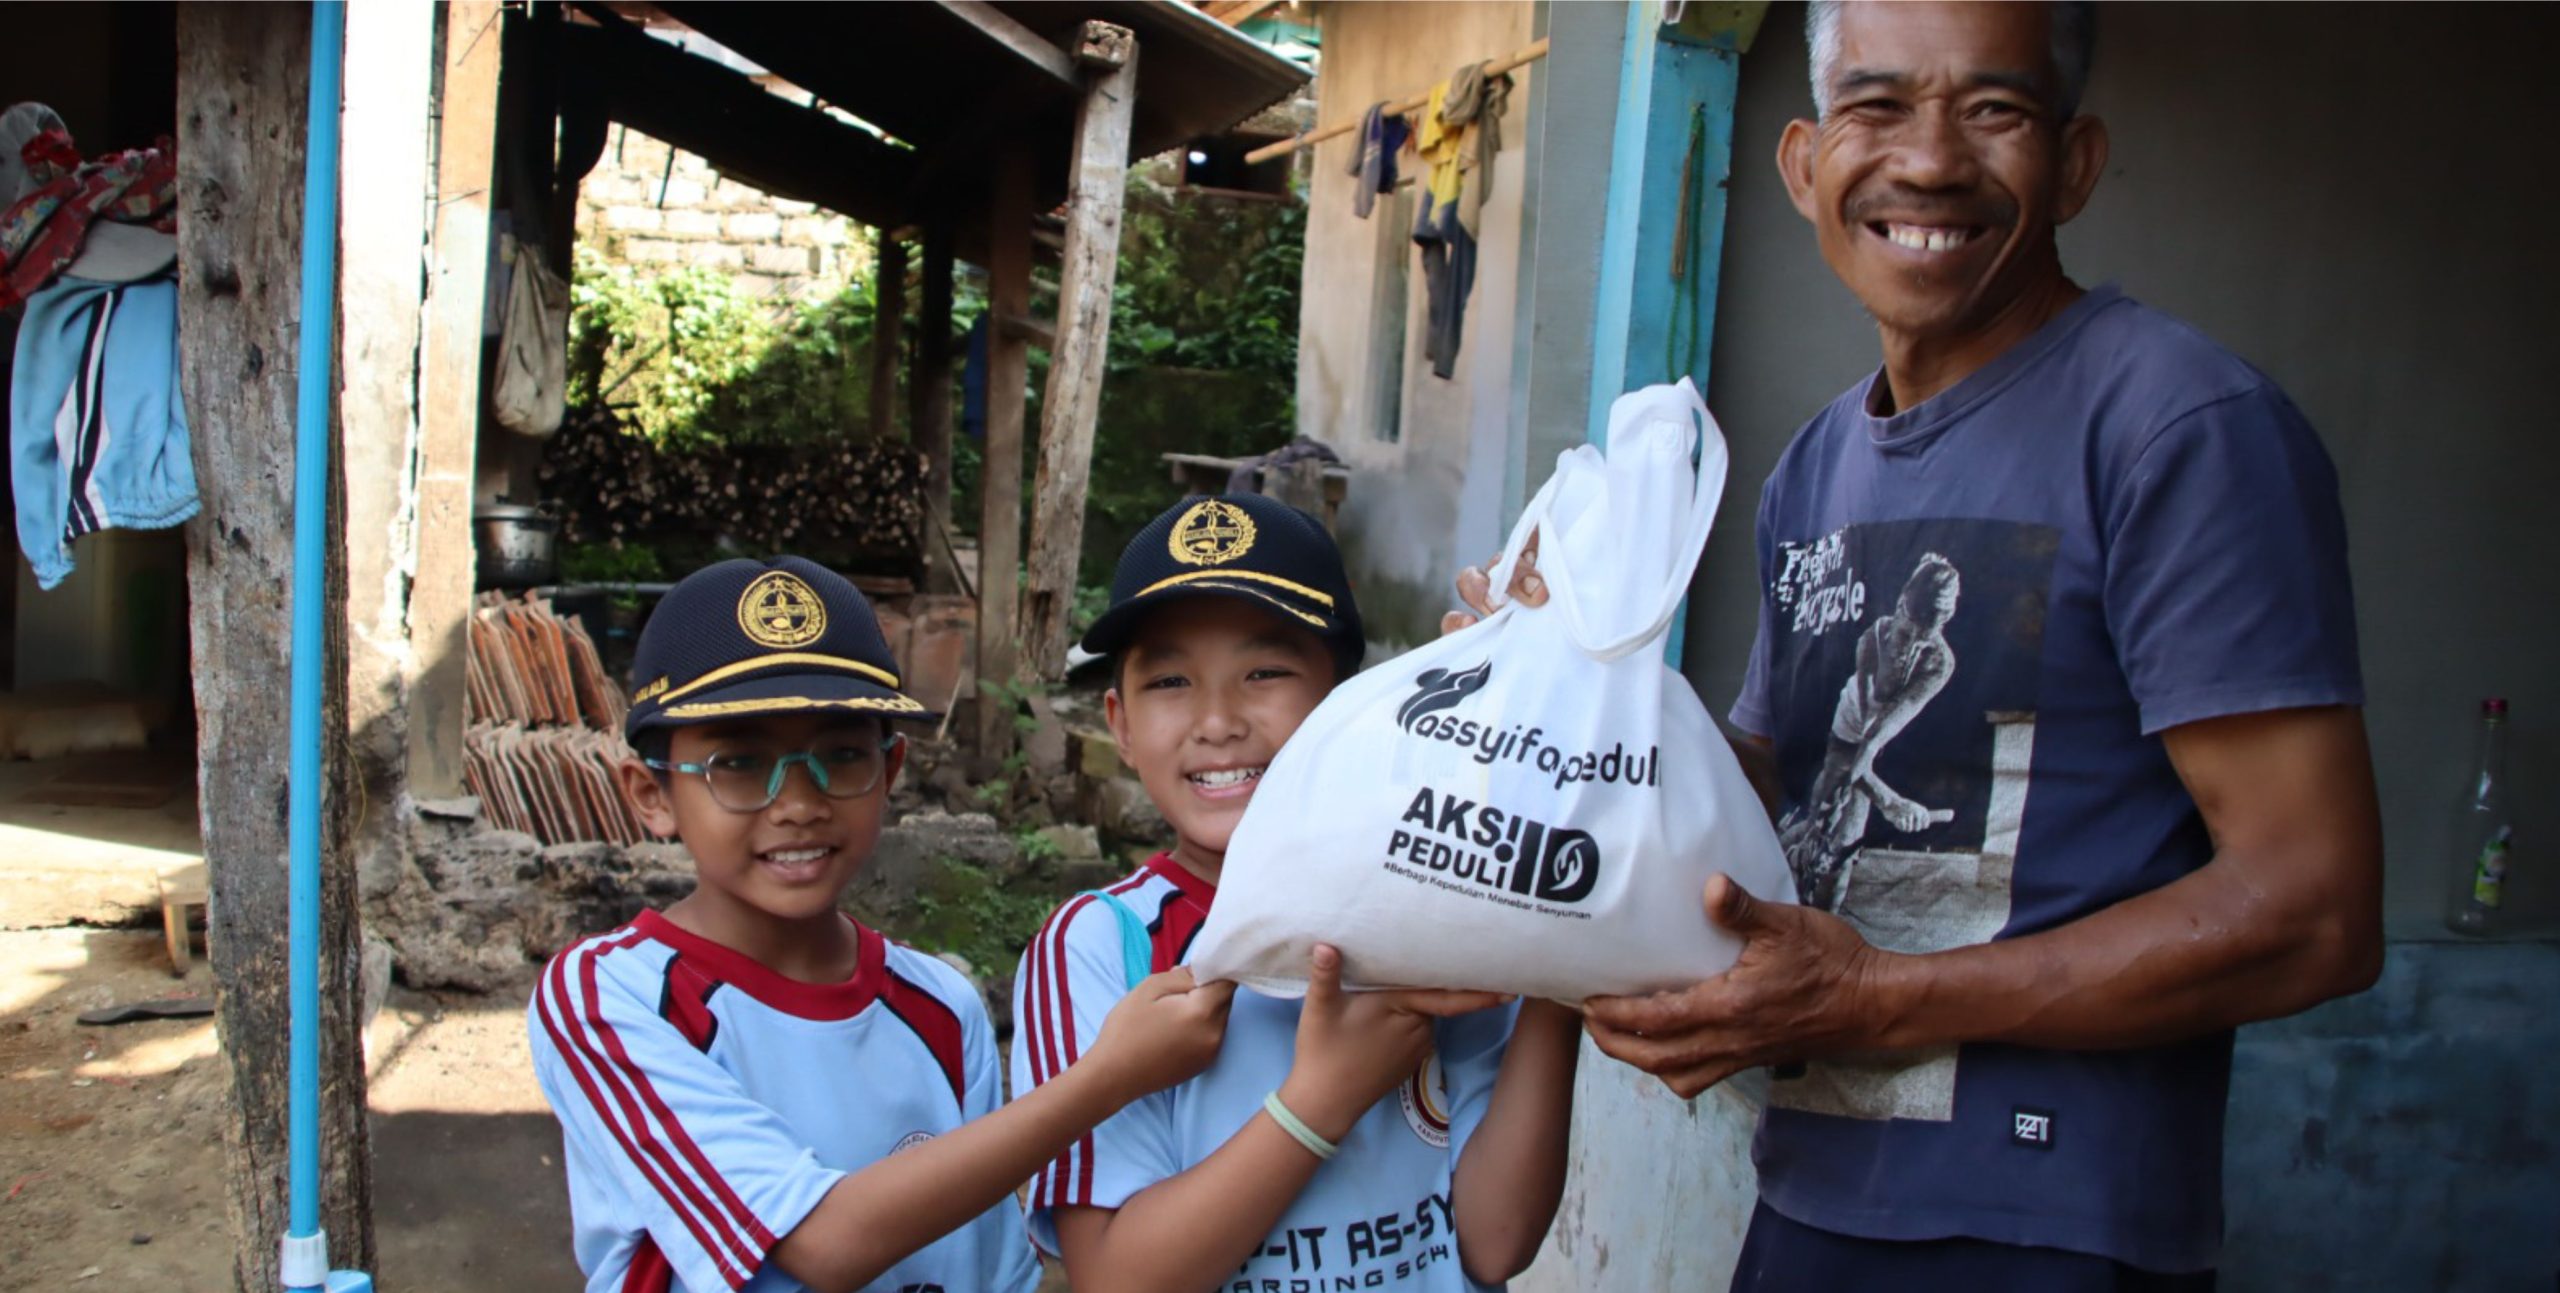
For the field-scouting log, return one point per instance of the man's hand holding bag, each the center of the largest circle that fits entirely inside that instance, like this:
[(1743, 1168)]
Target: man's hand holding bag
[(1532, 804)]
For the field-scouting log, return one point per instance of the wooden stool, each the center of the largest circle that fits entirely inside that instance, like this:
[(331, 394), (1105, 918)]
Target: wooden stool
[(182, 892)]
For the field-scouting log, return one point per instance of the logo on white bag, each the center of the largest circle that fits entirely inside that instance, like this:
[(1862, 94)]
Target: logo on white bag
[(1439, 690), (1446, 839)]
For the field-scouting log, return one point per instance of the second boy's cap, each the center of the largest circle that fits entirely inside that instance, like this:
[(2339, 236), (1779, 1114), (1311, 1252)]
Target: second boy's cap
[(763, 637), (1249, 546)]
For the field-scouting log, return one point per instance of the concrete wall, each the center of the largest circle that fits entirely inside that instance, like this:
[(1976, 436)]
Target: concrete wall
[(1422, 504), (2372, 251), (637, 211)]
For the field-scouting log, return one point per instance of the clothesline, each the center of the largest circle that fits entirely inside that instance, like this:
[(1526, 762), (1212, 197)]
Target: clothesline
[(1521, 57)]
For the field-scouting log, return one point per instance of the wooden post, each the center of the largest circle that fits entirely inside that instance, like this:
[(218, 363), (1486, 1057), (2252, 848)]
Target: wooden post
[(449, 395), (929, 391), (243, 101), (1000, 522), (1073, 403), (888, 315)]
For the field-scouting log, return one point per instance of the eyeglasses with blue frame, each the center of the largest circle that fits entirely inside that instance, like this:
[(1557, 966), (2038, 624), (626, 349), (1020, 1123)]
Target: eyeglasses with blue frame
[(748, 780)]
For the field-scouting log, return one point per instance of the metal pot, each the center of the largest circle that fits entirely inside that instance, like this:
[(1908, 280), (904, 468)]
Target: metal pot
[(515, 546)]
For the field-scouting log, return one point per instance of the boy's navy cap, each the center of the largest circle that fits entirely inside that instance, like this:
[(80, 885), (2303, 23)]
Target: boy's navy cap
[(1249, 546), (748, 637)]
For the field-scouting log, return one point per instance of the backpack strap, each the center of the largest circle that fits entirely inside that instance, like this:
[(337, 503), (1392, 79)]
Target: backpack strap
[(1137, 950)]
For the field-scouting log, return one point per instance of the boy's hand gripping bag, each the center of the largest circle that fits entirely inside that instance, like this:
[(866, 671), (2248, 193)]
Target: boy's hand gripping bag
[(1532, 804)]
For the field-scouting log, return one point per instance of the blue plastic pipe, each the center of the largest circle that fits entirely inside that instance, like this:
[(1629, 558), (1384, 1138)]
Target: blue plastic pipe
[(310, 558)]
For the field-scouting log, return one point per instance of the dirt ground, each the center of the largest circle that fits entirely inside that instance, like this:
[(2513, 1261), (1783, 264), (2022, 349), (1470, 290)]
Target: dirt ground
[(111, 1137), (111, 1154)]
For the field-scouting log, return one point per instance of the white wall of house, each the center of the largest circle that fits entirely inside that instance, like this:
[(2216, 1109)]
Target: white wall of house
[(1429, 452)]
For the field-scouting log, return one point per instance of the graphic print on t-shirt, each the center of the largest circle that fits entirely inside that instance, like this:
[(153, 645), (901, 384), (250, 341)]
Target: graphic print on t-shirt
[(1914, 649)]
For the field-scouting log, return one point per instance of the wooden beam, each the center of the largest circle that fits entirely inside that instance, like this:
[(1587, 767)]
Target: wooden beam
[(1022, 42), (1030, 329), (741, 128), (1237, 13), (1099, 179), (929, 392), (243, 92), (449, 394), (888, 316), (1000, 521)]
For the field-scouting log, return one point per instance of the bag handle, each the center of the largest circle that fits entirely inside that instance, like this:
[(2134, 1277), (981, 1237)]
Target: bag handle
[(1706, 496)]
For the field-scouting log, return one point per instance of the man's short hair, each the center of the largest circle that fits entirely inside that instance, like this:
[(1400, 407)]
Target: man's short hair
[(2075, 51)]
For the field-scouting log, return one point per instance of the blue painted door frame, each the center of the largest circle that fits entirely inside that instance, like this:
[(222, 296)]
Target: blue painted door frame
[(1669, 159)]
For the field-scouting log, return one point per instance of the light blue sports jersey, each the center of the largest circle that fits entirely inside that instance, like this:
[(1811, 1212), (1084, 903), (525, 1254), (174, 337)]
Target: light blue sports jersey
[(707, 1103), (1376, 1217)]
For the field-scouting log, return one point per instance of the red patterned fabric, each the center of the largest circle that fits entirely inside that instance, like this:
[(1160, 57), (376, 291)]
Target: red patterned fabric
[(43, 230)]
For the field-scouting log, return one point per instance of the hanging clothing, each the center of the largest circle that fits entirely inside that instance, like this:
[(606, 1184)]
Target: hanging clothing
[(1474, 106), (973, 381), (54, 207), (1448, 275), (1373, 163), (97, 429)]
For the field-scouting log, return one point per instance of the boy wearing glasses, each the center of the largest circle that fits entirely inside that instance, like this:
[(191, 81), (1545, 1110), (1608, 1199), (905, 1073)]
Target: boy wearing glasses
[(753, 1089)]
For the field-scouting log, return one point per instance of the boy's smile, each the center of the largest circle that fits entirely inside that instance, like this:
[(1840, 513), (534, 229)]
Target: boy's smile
[(1208, 691)]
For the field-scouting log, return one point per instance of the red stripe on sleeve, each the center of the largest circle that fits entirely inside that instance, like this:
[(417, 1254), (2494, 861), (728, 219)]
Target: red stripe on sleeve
[(935, 1024), (701, 1162), (649, 1271), (553, 1003)]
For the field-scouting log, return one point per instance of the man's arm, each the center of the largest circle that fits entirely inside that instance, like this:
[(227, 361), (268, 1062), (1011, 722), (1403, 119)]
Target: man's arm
[(1511, 1174), (1163, 1032), (2285, 916)]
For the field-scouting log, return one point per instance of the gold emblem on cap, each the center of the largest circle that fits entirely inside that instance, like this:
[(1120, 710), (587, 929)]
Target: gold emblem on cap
[(1212, 533), (781, 610)]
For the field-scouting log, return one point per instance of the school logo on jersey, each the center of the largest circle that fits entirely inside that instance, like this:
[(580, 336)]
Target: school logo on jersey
[(1438, 689), (1212, 533), (781, 611), (910, 1141), (1425, 1098)]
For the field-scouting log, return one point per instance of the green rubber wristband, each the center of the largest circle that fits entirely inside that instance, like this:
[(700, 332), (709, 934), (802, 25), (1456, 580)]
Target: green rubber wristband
[(1299, 1131)]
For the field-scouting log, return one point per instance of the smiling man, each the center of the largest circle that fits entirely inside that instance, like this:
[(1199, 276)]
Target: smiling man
[(2123, 800)]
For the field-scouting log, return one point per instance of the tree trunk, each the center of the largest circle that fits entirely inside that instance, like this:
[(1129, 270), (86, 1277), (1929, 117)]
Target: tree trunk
[(243, 82), (1099, 180), (1000, 526)]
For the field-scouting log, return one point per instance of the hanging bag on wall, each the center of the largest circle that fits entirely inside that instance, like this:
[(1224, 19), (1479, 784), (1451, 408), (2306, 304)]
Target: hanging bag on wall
[(1532, 804), (533, 347)]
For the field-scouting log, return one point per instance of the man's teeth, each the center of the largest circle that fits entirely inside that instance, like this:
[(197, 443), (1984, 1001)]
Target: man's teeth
[(1225, 777), (794, 857), (1922, 238)]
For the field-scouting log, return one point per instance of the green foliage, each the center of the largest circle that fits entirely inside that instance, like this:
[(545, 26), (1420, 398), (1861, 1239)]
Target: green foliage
[(1036, 847), (682, 359), (1203, 356), (962, 909), (610, 563)]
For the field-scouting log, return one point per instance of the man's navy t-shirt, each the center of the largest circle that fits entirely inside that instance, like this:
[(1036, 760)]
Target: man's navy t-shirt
[(1977, 617)]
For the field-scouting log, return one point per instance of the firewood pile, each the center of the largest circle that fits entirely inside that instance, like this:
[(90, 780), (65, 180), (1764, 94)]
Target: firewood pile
[(545, 726), (848, 505)]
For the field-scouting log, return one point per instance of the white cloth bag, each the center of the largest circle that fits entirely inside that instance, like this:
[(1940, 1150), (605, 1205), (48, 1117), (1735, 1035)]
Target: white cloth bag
[(1533, 804)]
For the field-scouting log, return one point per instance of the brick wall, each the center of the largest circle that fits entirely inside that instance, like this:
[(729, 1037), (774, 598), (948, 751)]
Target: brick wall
[(639, 211)]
